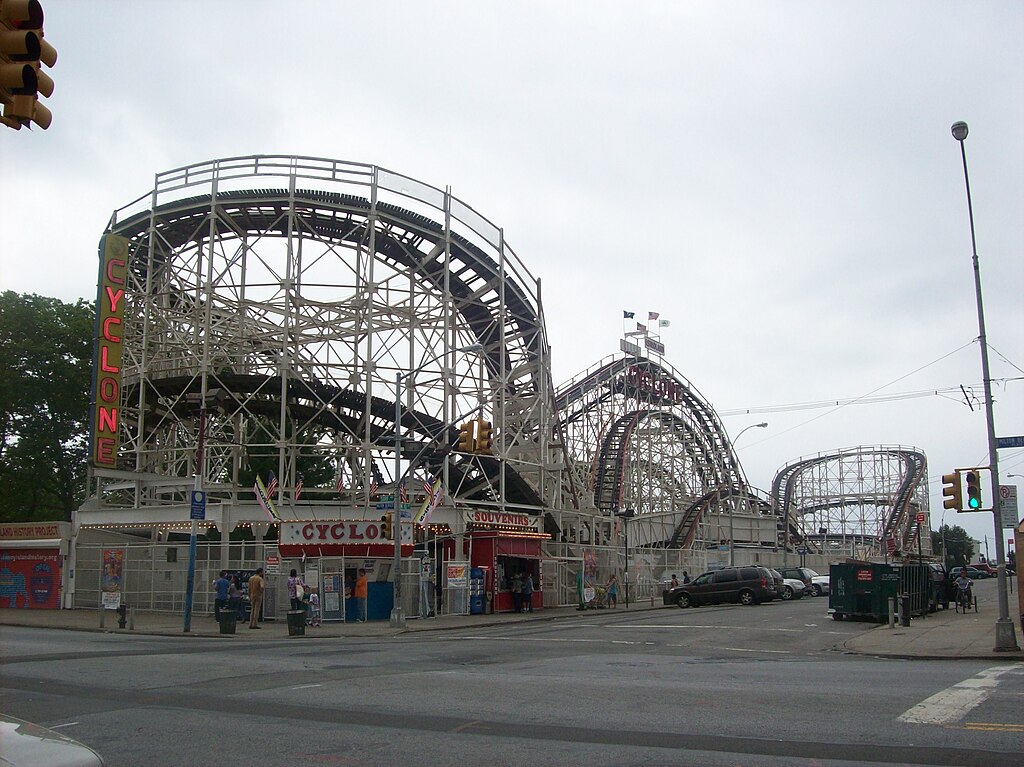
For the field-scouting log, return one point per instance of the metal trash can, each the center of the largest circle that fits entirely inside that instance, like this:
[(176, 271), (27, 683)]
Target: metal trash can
[(296, 623), (227, 620)]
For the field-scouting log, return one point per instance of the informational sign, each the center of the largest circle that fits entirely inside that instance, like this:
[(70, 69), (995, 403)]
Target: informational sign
[(272, 566), (1004, 442), (112, 579), (106, 382), (30, 578), (1008, 512), (198, 509), (457, 575)]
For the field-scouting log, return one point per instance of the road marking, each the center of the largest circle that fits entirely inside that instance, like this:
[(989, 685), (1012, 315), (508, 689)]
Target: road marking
[(306, 686), (954, 703), (745, 649), (993, 727), (66, 724)]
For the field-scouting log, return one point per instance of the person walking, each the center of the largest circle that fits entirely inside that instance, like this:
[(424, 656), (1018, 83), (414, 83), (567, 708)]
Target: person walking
[(361, 591), (296, 590), (256, 588), (613, 591), (517, 593), (675, 581), (314, 609), (686, 577), (528, 593), (220, 589), (235, 596)]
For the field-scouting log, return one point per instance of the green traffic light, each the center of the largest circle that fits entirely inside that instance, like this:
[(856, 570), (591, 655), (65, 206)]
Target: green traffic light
[(974, 503), (973, 490)]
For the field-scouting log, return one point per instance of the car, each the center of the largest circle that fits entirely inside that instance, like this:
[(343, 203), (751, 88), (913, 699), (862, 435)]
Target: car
[(745, 585), (972, 572), (985, 567), (792, 589), (27, 745), (779, 582), (803, 574), (941, 593)]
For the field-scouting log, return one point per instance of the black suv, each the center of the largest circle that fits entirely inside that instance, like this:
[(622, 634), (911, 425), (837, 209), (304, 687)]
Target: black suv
[(746, 585)]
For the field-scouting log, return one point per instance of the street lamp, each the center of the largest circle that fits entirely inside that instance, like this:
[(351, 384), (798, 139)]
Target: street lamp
[(397, 613), (625, 515), (1006, 640), (732, 545)]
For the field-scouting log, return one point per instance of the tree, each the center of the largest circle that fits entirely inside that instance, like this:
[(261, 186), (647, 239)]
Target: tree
[(955, 544), (44, 406)]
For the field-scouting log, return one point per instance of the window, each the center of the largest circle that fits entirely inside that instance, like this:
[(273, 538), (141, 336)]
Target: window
[(727, 576)]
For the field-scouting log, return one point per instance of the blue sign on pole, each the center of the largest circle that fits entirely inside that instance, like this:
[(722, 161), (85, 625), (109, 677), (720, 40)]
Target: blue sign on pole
[(198, 505), (1002, 442)]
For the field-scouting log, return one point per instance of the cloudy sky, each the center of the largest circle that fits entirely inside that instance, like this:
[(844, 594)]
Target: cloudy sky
[(777, 179)]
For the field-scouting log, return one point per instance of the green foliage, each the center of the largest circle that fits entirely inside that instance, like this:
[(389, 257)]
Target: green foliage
[(954, 544), (44, 406)]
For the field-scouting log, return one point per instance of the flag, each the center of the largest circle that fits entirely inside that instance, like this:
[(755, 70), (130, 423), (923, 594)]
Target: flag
[(272, 484), (641, 328), (340, 484), (652, 316), (663, 323), (374, 487), (627, 315), (298, 486), (431, 502), (263, 497), (403, 493)]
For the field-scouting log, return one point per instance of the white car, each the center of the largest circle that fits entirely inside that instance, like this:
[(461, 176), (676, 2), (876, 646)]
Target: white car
[(23, 744), (819, 585)]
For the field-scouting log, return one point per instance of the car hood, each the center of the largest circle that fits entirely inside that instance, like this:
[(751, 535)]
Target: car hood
[(23, 744)]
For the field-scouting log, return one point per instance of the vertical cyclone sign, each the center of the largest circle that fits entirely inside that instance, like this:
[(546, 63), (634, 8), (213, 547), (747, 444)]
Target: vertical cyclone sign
[(106, 383)]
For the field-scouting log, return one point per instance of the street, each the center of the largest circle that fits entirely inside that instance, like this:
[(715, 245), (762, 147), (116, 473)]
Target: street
[(725, 685)]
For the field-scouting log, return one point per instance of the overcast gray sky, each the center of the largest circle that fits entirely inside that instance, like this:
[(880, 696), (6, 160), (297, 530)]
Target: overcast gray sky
[(777, 179)]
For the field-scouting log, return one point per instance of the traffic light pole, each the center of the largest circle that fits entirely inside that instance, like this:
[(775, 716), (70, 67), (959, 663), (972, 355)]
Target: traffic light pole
[(1006, 640)]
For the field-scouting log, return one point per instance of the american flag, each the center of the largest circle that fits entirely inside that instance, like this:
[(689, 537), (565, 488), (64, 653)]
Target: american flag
[(299, 484), (428, 488), (652, 316), (403, 493), (374, 487), (272, 484), (340, 484)]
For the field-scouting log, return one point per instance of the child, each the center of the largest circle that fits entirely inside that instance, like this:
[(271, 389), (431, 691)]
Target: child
[(314, 608)]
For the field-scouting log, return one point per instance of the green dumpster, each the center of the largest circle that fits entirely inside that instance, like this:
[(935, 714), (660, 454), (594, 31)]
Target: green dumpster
[(861, 590)]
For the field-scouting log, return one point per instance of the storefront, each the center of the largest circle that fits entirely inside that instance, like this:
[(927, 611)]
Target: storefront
[(33, 557), (508, 546)]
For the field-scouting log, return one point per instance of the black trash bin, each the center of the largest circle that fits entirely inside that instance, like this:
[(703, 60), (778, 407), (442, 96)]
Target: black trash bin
[(296, 623), (227, 619)]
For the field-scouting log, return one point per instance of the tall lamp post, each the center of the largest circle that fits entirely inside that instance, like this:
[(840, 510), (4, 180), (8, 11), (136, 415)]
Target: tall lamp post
[(732, 545), (397, 611), (1006, 640), (625, 515)]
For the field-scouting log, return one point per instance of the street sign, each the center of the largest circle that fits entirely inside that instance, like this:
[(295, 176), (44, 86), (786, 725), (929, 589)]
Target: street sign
[(802, 550), (1002, 442), (920, 516), (198, 508), (1008, 513)]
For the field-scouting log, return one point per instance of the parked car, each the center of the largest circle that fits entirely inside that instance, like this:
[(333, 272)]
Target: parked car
[(941, 588), (985, 567), (792, 588), (779, 582), (802, 574), (746, 585), (972, 572)]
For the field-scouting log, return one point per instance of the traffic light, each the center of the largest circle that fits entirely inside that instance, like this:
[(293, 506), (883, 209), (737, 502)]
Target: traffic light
[(972, 481), (385, 526), (467, 443), (951, 491), (22, 52), (483, 436)]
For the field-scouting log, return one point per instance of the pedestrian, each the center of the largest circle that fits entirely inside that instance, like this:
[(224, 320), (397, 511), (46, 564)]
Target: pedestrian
[(220, 588), (528, 593), (314, 608), (361, 590), (256, 587), (613, 591), (296, 590), (517, 593), (686, 577), (235, 596), (675, 581)]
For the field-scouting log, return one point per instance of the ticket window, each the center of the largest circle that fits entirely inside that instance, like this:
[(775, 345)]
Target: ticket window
[(509, 566)]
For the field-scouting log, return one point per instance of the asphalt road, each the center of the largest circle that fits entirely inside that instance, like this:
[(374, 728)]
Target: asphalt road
[(710, 686)]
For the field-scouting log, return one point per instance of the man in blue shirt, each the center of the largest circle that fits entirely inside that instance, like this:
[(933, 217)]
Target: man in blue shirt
[(220, 587)]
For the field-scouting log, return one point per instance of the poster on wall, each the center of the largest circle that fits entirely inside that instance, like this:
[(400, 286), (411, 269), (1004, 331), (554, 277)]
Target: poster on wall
[(30, 578), (112, 579)]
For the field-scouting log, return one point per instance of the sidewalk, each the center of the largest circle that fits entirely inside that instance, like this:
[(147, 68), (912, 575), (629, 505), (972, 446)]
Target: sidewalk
[(945, 634)]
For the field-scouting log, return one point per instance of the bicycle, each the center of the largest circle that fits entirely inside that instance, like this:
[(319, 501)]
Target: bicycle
[(965, 599)]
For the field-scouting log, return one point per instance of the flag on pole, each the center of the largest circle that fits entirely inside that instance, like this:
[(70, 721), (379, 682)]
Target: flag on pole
[(434, 495), (264, 499), (403, 493), (340, 484), (299, 484), (663, 323), (627, 315), (374, 487), (641, 328), (271, 484), (652, 316)]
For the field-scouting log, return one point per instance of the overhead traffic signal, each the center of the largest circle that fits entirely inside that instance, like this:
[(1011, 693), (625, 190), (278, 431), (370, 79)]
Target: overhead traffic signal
[(385, 526), (467, 441), (22, 53), (972, 483), (483, 436), (951, 491)]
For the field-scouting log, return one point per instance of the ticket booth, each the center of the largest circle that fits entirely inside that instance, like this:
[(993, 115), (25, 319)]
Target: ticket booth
[(508, 545)]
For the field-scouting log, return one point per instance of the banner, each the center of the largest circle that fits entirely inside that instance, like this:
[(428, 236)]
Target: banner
[(30, 578), (112, 578)]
